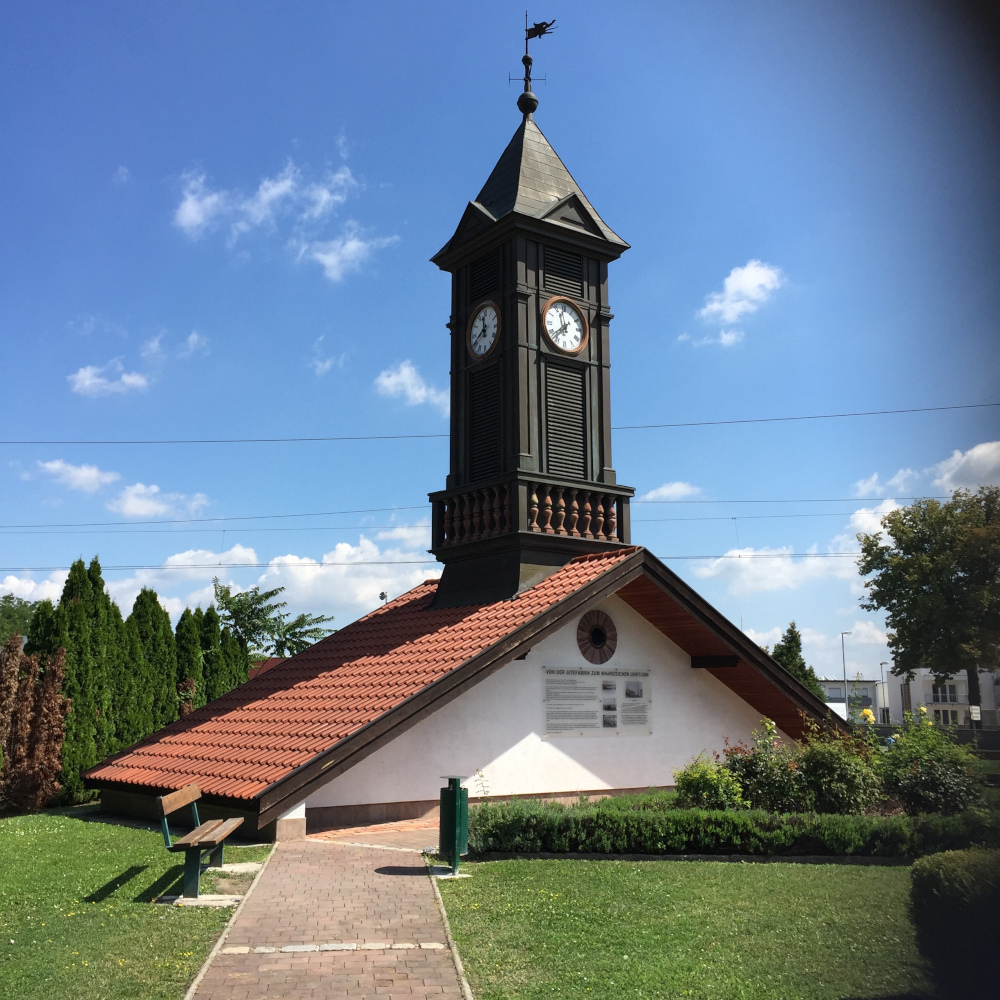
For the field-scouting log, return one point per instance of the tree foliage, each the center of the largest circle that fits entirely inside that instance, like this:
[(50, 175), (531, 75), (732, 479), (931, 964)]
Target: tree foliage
[(935, 571), (32, 725), (15, 616), (788, 652), (257, 621), (190, 674)]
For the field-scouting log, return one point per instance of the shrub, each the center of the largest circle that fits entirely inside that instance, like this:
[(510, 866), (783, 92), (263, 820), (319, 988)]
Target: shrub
[(955, 898), (707, 784), (836, 774), (928, 772), (613, 826), (767, 771)]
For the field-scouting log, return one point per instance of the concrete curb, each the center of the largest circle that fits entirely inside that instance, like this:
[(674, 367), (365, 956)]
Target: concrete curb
[(196, 982), (456, 958)]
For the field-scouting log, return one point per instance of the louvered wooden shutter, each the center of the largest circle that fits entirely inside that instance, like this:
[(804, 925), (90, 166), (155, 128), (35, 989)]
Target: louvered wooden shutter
[(565, 421), (563, 272), (484, 276), (484, 432)]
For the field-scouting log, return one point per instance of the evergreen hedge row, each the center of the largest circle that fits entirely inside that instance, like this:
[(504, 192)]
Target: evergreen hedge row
[(955, 899), (636, 825)]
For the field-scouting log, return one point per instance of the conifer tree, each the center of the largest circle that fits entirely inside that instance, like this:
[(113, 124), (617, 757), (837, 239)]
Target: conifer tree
[(190, 677), (105, 653), (788, 652), (135, 718), (159, 651), (213, 664), (236, 660)]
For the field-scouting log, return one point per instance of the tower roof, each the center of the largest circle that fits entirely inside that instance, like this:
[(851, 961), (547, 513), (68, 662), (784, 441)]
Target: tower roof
[(531, 180)]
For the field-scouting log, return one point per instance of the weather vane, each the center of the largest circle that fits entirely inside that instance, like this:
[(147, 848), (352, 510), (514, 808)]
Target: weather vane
[(527, 102)]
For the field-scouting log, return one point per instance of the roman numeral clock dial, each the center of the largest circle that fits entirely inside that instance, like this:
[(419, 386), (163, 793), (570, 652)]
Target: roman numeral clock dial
[(564, 325), (483, 330)]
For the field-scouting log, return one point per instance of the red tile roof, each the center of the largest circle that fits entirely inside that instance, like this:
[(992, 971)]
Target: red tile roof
[(244, 742)]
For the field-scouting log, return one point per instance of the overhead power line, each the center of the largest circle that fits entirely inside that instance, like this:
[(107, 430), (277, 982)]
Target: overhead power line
[(399, 562), (378, 510), (416, 437)]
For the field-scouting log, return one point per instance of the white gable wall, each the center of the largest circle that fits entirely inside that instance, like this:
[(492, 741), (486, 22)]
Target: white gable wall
[(497, 728)]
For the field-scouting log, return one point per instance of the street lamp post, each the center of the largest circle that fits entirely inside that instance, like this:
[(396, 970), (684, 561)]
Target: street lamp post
[(843, 660), (885, 687)]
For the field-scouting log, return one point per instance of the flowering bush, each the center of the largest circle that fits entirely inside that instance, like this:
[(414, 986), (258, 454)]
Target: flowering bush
[(927, 771), (837, 772), (707, 784), (767, 771)]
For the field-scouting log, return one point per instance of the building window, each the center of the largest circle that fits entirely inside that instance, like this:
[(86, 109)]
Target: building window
[(944, 693), (835, 694), (884, 716), (946, 717)]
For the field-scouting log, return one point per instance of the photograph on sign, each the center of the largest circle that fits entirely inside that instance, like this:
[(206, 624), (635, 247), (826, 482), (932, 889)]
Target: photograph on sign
[(596, 701)]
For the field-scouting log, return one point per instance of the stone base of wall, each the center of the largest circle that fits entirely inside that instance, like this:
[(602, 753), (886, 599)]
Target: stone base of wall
[(322, 818)]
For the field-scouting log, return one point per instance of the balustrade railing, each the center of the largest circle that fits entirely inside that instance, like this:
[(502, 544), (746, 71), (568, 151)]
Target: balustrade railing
[(568, 510), (477, 514)]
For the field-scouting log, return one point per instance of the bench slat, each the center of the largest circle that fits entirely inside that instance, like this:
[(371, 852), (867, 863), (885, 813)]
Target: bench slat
[(175, 800), (218, 835), (196, 836)]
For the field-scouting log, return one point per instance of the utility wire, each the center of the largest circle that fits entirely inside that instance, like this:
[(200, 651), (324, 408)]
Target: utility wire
[(376, 510), (415, 437), (403, 562)]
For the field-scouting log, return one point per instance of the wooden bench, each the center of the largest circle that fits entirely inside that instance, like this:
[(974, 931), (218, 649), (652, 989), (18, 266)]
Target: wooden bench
[(204, 837)]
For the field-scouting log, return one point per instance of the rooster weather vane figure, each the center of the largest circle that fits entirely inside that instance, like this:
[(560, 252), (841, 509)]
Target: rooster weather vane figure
[(527, 102)]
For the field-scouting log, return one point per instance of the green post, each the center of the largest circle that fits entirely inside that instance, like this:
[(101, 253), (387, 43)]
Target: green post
[(453, 835)]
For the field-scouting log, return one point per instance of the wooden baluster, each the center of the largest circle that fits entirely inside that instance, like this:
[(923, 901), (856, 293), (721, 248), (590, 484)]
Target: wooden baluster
[(497, 510), (598, 525), (532, 510), (477, 515), (610, 519), (572, 514), (467, 518), (448, 522), (585, 514), (547, 510), (560, 512), (508, 524)]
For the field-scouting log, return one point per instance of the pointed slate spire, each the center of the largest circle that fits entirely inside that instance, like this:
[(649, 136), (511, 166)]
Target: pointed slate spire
[(531, 180)]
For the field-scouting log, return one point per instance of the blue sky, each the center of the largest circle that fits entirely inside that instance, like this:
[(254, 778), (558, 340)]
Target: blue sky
[(218, 219)]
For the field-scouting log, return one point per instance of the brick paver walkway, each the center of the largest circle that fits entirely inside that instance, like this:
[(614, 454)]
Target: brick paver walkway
[(358, 922), (411, 834)]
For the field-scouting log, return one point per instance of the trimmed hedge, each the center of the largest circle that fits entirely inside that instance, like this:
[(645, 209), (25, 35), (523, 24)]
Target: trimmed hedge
[(955, 899), (651, 824)]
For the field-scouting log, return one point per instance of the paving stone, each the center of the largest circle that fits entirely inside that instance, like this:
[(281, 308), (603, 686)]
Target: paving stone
[(327, 919)]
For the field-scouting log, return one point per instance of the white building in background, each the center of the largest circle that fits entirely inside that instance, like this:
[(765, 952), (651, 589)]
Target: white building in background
[(862, 693), (946, 703)]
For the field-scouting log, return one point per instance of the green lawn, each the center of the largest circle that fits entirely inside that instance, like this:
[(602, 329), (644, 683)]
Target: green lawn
[(76, 917), (708, 930)]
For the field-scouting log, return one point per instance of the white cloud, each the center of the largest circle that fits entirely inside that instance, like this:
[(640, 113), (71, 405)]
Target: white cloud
[(749, 571), (979, 466), (200, 208), (323, 197), (865, 520), (767, 638), (321, 365), (873, 486), (194, 343), (92, 381), (140, 500), (259, 209), (49, 589), (744, 291), (404, 380), (345, 253), (121, 176), (88, 478), (152, 348), (671, 491), (344, 590), (726, 338), (414, 536)]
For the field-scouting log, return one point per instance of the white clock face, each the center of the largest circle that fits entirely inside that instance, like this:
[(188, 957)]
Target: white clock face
[(483, 332), (564, 326)]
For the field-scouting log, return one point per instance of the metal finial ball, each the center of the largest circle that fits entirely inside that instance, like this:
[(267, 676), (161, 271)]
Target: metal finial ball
[(527, 103)]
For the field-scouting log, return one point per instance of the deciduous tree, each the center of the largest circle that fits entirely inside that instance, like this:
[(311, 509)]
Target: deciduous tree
[(934, 569)]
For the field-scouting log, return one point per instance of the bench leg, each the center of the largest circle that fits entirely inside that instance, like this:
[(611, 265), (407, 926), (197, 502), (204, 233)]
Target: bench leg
[(192, 873), (215, 858)]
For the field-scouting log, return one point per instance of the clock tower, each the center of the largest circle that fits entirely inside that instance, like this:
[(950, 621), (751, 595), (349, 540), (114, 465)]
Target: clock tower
[(531, 482)]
